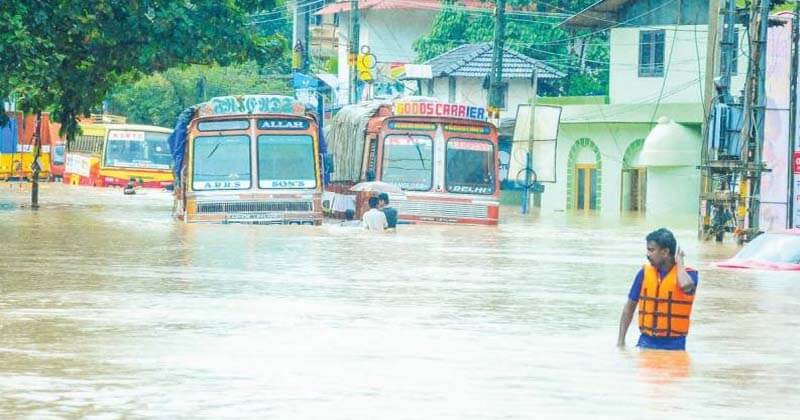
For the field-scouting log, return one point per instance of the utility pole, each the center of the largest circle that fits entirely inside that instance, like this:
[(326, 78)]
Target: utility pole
[(720, 169), (36, 165), (354, 47), (496, 85), (301, 44), (529, 180), (754, 116), (794, 146)]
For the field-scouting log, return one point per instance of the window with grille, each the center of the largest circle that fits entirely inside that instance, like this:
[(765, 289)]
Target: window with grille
[(651, 53)]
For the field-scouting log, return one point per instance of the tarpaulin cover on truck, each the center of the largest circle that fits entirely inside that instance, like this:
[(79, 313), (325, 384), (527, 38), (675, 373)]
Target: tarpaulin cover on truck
[(345, 136), (177, 140)]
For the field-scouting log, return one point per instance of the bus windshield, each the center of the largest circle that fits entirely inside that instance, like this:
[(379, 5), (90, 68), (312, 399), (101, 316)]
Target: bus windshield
[(470, 167), (137, 149), (408, 161), (286, 161), (221, 163)]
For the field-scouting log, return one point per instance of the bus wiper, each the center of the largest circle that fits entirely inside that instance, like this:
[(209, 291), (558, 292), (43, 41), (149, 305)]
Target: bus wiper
[(216, 146)]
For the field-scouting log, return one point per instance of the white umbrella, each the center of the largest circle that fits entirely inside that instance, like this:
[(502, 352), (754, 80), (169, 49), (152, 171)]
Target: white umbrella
[(377, 186)]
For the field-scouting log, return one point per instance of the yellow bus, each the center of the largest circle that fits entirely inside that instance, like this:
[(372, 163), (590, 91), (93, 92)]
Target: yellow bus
[(108, 154)]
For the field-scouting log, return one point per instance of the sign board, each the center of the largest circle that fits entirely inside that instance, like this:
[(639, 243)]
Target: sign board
[(797, 202), (547, 120), (126, 135), (796, 165), (438, 109), (251, 104), (78, 164), (282, 124)]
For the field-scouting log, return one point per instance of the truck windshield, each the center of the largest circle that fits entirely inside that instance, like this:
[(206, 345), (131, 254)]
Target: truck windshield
[(408, 161), (221, 163), (470, 168), (286, 161), (137, 149)]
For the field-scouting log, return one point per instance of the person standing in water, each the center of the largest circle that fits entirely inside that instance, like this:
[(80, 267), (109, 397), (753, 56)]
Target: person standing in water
[(374, 219), (390, 212), (664, 291)]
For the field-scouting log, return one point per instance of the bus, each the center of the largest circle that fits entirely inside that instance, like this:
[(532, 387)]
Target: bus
[(443, 156), (251, 159), (17, 145), (109, 154)]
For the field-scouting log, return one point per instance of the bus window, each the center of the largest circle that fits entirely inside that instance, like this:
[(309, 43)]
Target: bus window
[(137, 149), (58, 154), (469, 167), (221, 163), (286, 161), (408, 161)]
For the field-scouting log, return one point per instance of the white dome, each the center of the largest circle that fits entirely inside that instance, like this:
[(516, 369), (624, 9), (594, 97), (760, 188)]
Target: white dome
[(671, 144)]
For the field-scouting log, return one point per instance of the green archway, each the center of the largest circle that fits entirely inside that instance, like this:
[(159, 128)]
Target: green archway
[(633, 148), (571, 161)]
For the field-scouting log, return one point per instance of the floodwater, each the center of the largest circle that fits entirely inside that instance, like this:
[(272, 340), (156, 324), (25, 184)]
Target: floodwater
[(111, 309)]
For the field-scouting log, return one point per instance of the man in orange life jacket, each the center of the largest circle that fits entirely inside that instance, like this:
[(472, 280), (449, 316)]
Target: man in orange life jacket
[(664, 293)]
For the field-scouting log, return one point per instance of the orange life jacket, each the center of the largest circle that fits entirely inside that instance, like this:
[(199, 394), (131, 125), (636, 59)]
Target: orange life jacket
[(664, 308)]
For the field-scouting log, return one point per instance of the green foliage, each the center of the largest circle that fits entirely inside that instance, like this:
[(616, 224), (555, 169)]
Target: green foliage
[(532, 34), (159, 98), (65, 56)]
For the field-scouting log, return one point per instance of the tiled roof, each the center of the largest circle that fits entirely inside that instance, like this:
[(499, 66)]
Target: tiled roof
[(475, 60)]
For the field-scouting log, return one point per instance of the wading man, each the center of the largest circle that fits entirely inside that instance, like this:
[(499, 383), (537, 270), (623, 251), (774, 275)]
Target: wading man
[(664, 292)]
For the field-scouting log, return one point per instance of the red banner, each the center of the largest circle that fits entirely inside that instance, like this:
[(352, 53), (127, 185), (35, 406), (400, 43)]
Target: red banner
[(796, 163)]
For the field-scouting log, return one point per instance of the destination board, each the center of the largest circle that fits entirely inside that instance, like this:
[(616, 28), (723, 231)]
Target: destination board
[(251, 104), (467, 129), (476, 146), (413, 126)]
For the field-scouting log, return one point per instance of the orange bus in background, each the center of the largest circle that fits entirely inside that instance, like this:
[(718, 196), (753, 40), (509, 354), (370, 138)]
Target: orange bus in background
[(17, 145), (108, 154)]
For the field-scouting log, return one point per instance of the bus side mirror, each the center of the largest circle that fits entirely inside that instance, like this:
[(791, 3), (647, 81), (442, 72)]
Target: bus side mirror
[(328, 162)]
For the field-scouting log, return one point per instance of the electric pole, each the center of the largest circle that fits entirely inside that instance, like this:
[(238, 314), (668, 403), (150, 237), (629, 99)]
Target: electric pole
[(36, 165), (755, 107), (354, 47), (722, 192), (496, 85), (794, 146)]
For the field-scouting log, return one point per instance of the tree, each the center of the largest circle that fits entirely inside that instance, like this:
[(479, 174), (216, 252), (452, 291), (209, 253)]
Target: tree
[(530, 31), (66, 55), (159, 98)]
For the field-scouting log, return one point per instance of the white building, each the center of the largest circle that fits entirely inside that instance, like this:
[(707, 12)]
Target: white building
[(640, 150)]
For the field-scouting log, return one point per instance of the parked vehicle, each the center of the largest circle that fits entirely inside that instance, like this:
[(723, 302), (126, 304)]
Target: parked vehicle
[(769, 251), (443, 156), (247, 159)]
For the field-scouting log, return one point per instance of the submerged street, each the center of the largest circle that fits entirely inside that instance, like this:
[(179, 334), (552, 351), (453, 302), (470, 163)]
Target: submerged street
[(109, 305)]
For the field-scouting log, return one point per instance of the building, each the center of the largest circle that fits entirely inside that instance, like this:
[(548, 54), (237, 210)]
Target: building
[(639, 150), (388, 29)]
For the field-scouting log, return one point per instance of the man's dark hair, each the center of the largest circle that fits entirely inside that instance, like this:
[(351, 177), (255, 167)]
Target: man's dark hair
[(664, 239), (384, 197), (373, 202)]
